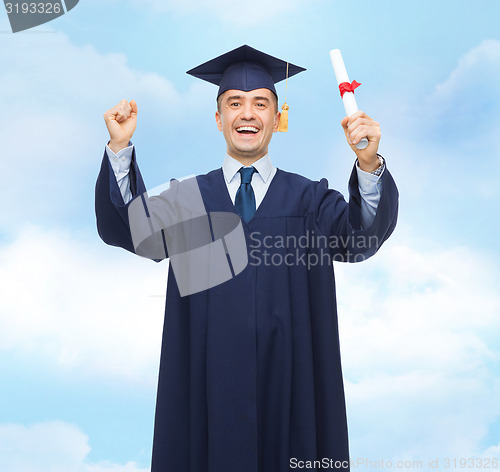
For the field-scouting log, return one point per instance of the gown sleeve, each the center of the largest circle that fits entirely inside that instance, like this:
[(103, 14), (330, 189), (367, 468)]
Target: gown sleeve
[(111, 211), (340, 221), (120, 163)]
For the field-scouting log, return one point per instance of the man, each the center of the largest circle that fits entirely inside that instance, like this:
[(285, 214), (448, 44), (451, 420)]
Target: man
[(250, 375)]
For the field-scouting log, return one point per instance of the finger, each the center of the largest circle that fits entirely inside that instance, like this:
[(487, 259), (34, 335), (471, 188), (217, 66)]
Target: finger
[(368, 128), (370, 132), (362, 121), (133, 107), (354, 116), (361, 115), (364, 130), (123, 105), (123, 113), (357, 135), (111, 114), (119, 117), (347, 135), (344, 122)]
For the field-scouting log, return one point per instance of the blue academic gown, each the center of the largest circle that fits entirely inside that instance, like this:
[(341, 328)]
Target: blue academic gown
[(248, 382)]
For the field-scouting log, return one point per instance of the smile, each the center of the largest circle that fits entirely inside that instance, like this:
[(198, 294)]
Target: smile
[(247, 130)]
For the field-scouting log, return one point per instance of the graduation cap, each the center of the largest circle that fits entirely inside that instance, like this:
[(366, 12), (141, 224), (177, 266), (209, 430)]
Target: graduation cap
[(247, 69)]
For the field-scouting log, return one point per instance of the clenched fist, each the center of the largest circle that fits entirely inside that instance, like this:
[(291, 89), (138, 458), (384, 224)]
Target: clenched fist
[(121, 121)]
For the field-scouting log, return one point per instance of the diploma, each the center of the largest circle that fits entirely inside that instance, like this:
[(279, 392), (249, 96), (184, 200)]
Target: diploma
[(348, 98)]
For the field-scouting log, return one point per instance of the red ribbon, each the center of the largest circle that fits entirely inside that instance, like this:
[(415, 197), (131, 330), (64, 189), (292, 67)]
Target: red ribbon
[(347, 87)]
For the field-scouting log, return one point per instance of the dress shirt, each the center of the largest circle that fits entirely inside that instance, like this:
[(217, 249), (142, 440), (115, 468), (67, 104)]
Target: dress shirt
[(369, 184), (260, 180)]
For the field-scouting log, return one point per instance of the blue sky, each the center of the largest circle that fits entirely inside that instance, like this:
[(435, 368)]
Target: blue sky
[(419, 321)]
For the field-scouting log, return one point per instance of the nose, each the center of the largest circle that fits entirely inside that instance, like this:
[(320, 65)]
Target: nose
[(247, 113)]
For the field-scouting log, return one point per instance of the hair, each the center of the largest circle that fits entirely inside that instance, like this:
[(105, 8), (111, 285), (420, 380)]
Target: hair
[(219, 101)]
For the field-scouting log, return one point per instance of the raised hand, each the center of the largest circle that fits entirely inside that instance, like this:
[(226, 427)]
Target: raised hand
[(121, 121), (358, 126)]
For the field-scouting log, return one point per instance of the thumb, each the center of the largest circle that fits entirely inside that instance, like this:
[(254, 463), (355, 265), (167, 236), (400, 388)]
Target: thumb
[(344, 122), (133, 105)]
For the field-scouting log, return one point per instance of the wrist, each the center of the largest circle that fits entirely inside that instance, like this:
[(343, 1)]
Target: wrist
[(376, 168), (117, 146), (370, 165)]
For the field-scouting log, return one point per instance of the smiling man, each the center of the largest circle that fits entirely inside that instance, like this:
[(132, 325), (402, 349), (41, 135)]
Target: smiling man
[(250, 374), (248, 122)]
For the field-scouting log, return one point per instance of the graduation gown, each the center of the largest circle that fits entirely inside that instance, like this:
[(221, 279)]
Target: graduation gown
[(250, 373)]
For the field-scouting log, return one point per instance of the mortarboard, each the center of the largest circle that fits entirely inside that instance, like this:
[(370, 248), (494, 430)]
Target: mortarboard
[(247, 69)]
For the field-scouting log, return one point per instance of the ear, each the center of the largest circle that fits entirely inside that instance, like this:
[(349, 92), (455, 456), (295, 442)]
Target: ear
[(218, 119), (276, 122)]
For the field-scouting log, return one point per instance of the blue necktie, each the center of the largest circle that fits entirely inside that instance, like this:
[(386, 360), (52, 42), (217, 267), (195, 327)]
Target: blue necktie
[(245, 198)]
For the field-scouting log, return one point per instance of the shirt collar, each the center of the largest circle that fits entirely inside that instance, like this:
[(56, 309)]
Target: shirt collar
[(231, 166)]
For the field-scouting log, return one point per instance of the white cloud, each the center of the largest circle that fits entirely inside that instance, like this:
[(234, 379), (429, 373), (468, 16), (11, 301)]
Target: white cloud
[(441, 147), (473, 86), (58, 93), (53, 133), (493, 451), (78, 304), (419, 336), (50, 447), (56, 72), (461, 117), (418, 333)]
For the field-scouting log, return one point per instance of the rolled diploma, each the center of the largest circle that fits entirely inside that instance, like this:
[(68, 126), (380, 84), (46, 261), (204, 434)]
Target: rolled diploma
[(349, 100)]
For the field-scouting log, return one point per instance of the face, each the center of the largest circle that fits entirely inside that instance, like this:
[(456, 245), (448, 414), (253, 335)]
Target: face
[(248, 121)]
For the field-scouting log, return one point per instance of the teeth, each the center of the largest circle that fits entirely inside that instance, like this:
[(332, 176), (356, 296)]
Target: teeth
[(247, 128)]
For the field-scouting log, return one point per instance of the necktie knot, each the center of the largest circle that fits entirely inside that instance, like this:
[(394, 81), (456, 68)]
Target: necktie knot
[(246, 174)]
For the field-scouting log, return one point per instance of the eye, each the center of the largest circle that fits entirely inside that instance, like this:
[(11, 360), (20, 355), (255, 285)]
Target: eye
[(234, 104), (261, 105)]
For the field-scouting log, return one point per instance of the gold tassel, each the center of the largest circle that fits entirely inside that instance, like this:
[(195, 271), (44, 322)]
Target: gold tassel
[(283, 124)]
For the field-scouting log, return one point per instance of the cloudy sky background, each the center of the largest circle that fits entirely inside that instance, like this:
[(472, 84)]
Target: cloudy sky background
[(80, 322)]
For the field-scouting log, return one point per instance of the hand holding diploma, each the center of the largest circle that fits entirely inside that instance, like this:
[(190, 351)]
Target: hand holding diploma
[(362, 132), (356, 127)]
